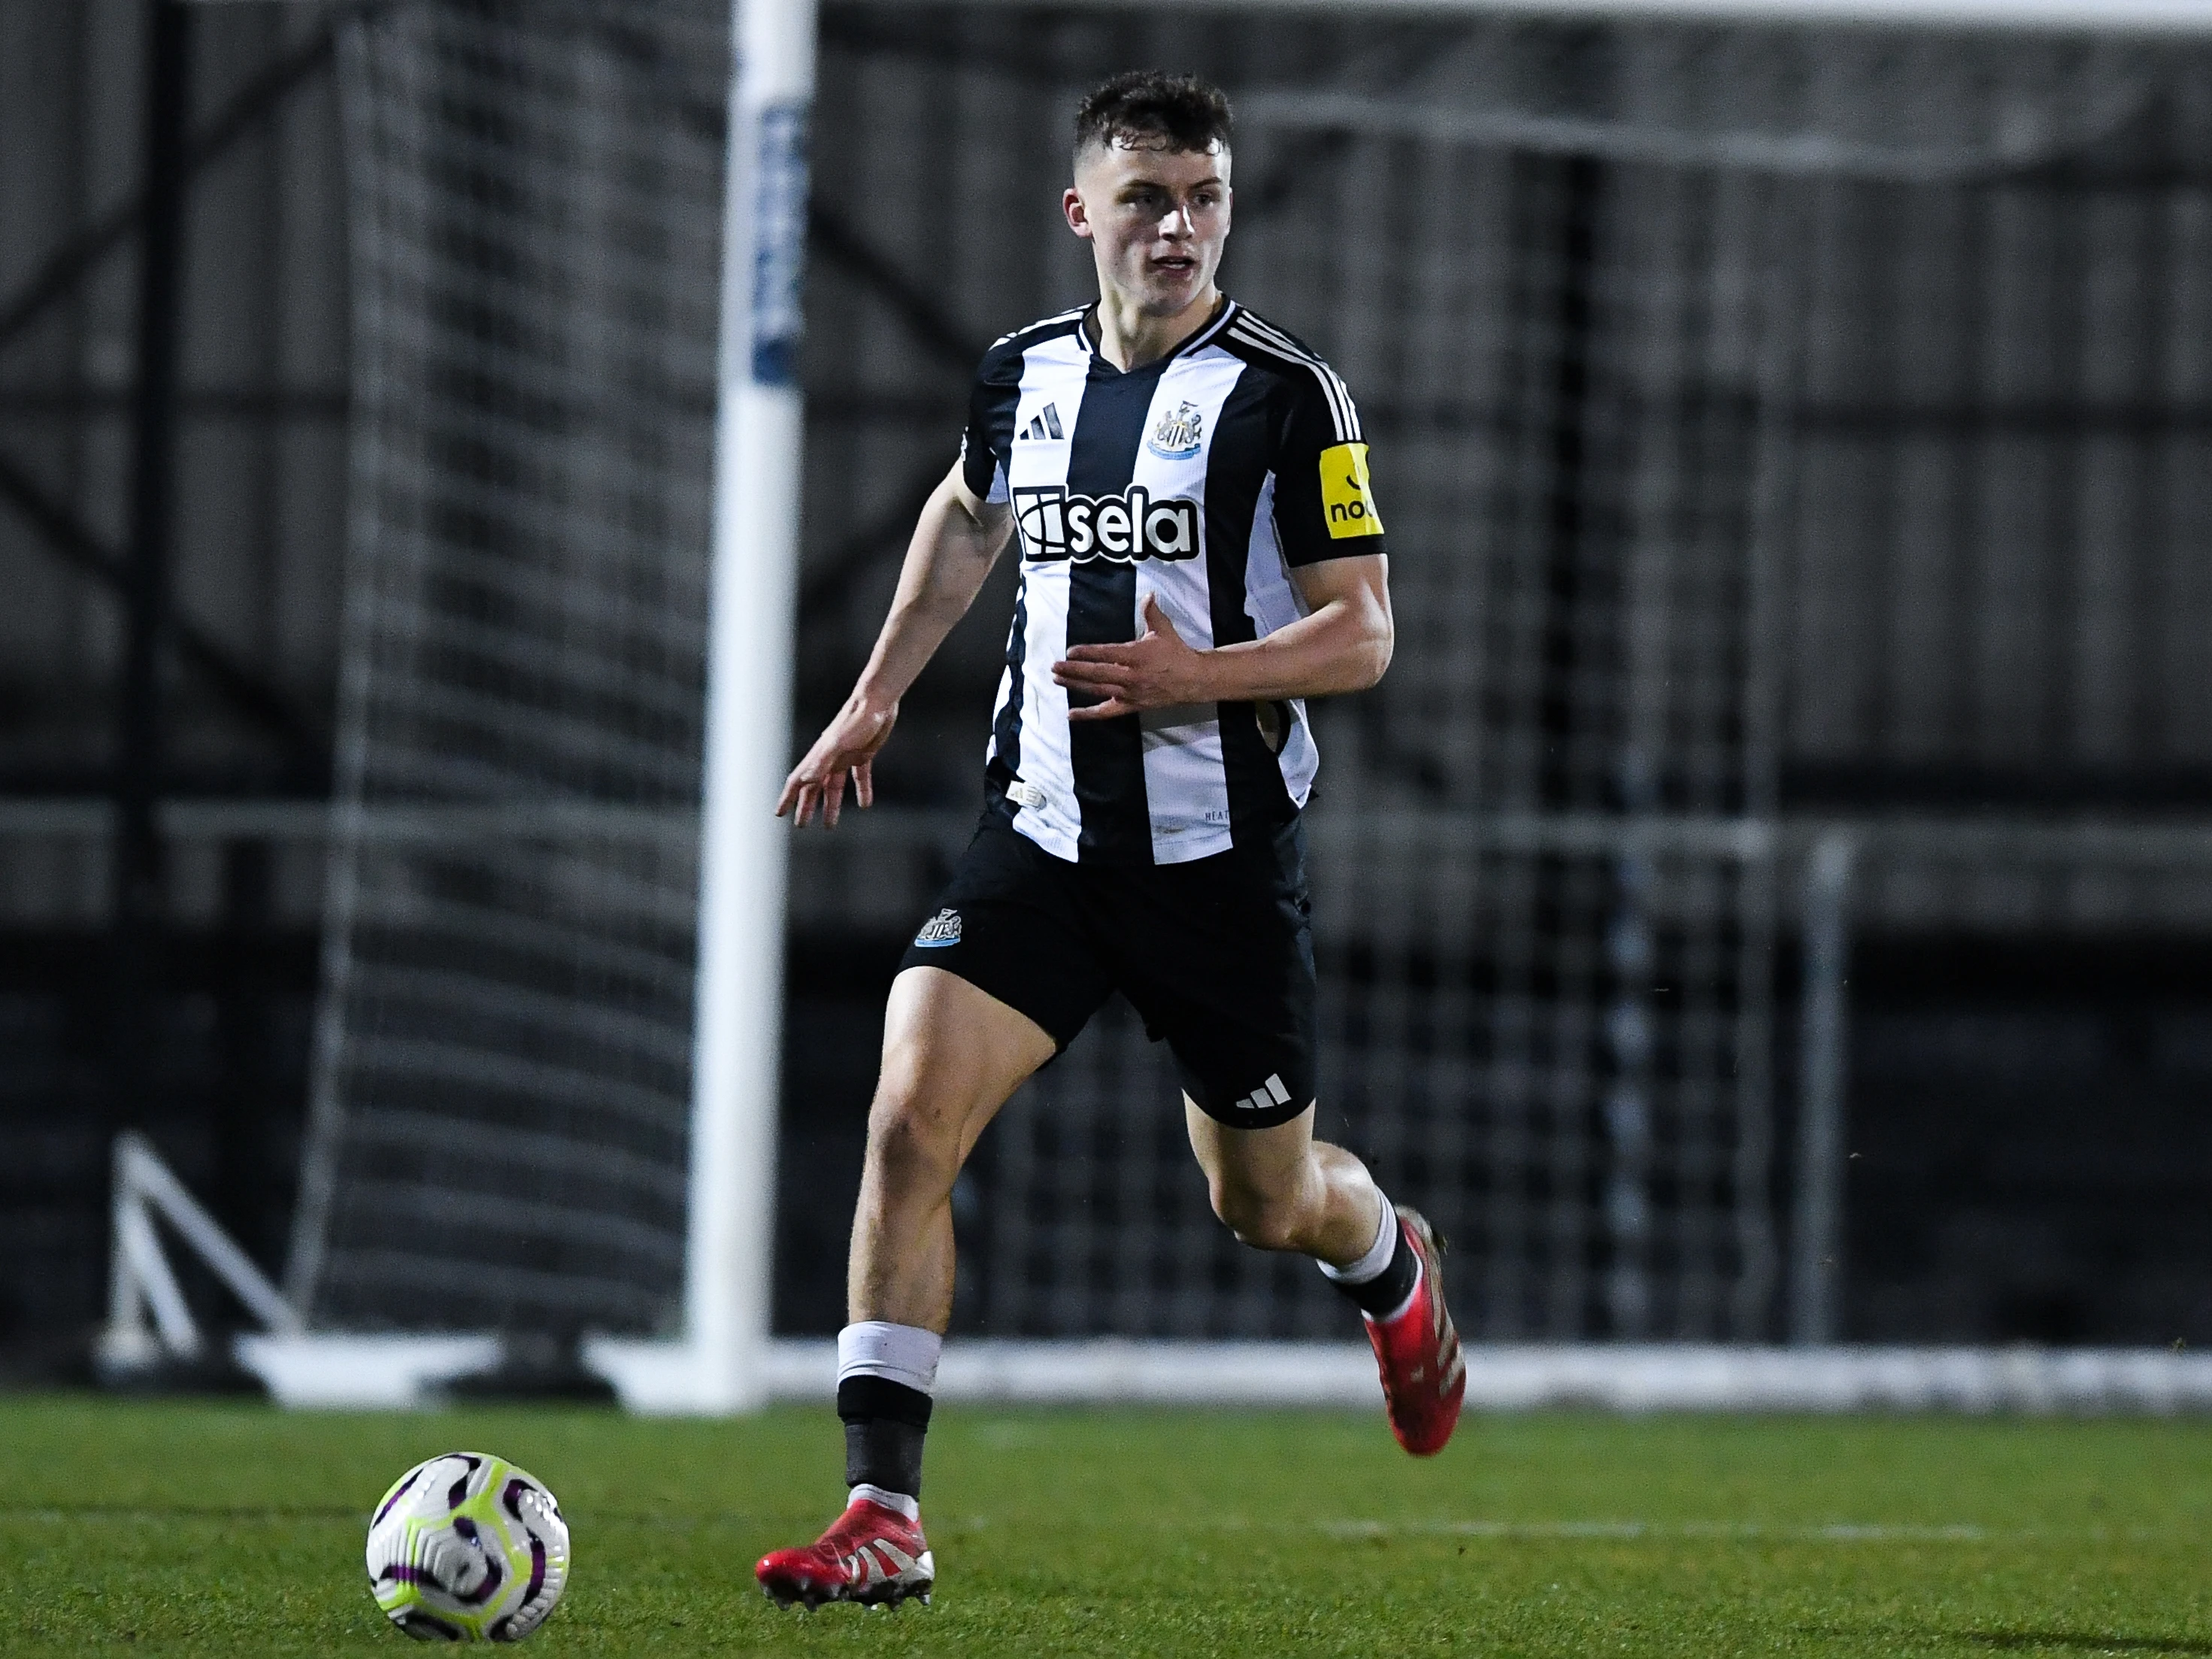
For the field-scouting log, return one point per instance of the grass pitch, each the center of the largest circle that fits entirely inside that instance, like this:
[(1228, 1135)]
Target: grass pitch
[(216, 1529)]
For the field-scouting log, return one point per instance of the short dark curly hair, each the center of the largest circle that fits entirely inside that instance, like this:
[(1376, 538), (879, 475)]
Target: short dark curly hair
[(1152, 107)]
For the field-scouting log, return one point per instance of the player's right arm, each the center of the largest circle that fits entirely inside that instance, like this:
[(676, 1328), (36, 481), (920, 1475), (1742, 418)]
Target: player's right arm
[(959, 538)]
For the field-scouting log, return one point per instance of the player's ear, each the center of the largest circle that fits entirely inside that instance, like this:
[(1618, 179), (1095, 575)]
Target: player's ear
[(1078, 217)]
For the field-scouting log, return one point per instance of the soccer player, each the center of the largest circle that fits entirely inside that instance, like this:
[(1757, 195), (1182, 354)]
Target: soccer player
[(1201, 551)]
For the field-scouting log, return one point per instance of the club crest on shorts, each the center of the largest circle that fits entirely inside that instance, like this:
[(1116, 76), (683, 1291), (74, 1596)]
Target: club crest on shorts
[(1178, 433), (941, 929)]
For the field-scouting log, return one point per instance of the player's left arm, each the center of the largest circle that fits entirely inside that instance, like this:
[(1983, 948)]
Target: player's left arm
[(1342, 644)]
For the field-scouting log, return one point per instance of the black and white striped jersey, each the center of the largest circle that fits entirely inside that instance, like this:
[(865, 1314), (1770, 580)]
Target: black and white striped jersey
[(1203, 478)]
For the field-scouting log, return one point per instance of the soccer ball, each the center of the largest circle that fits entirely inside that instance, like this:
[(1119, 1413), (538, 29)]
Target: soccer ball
[(466, 1547)]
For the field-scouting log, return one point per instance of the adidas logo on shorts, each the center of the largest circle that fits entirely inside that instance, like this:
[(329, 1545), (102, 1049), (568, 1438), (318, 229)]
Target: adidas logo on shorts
[(1265, 1099), (941, 929)]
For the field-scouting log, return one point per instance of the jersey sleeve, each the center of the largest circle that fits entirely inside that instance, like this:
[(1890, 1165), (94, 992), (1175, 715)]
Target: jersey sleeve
[(990, 428), (1324, 498)]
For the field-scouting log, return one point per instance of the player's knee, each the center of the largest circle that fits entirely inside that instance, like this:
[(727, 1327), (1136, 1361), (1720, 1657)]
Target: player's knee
[(1264, 1219), (911, 1145)]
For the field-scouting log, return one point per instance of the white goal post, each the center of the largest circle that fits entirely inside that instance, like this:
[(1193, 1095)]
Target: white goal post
[(718, 1364)]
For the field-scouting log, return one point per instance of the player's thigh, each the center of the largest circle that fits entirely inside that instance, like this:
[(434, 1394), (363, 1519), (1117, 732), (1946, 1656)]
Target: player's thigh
[(1249, 1168), (952, 1055), (998, 980), (1220, 964)]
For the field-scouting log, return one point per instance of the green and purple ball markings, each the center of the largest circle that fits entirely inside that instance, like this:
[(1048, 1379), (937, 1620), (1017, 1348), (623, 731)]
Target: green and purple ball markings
[(466, 1547)]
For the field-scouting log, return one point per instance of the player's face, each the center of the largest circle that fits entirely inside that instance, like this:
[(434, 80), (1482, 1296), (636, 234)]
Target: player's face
[(1156, 220)]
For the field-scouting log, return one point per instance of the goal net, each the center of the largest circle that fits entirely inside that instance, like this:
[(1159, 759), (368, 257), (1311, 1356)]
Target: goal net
[(502, 1077), (1665, 333)]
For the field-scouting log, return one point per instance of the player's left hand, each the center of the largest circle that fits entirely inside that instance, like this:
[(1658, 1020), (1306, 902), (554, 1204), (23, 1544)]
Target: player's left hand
[(1157, 671)]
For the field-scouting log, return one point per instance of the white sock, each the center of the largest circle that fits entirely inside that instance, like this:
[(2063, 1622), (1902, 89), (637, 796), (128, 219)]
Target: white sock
[(1379, 1254), (909, 1507), (898, 1353)]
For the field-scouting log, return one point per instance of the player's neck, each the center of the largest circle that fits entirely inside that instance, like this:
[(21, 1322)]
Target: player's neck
[(1128, 339)]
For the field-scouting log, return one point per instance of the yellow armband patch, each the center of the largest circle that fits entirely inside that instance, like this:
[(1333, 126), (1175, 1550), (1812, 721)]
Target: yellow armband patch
[(1347, 493)]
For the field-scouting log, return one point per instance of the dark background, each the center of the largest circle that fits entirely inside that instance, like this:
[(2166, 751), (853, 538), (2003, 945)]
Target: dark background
[(2032, 1151)]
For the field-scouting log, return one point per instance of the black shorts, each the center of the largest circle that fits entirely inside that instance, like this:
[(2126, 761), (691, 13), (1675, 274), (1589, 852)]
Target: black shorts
[(1216, 955)]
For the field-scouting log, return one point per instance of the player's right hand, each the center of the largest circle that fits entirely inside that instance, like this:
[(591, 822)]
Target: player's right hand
[(847, 748)]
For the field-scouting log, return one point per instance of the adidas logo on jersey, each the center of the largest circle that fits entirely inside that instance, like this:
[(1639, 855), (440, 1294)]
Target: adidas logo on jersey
[(1046, 425), (941, 929), (1123, 528)]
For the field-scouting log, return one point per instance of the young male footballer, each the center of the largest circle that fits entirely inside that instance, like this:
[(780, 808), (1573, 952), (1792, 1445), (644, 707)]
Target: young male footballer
[(1200, 552)]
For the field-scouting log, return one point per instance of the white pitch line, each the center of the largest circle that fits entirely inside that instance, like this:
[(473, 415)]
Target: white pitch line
[(1749, 1531)]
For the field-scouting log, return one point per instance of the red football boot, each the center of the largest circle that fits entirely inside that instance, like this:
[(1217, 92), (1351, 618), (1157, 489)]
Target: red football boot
[(872, 1555), (1424, 1373)]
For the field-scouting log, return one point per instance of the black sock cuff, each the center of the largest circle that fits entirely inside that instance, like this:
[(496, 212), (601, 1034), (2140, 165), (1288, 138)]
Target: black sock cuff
[(863, 1397), (1386, 1291)]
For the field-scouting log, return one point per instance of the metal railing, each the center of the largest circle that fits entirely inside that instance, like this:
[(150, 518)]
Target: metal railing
[(879, 868)]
